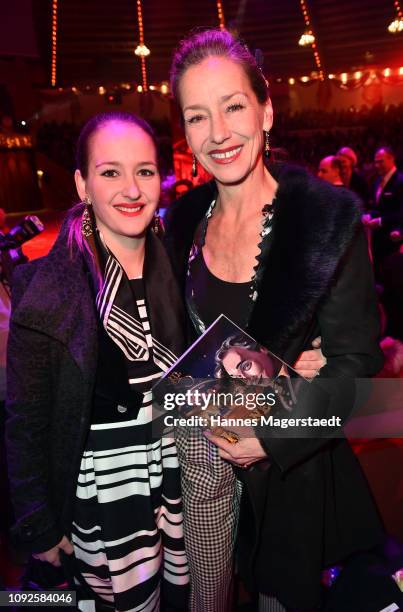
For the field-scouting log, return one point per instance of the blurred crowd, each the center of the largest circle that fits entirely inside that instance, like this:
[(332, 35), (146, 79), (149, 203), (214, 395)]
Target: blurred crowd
[(382, 219), (309, 135), (304, 137)]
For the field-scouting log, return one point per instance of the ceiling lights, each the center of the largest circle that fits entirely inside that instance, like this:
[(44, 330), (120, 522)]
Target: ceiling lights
[(142, 51), (308, 39), (54, 44), (397, 24), (220, 12)]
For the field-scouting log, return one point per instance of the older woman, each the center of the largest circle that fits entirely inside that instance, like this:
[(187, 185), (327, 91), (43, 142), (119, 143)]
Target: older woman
[(283, 256)]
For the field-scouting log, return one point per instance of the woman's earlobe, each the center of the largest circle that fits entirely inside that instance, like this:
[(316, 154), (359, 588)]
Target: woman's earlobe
[(80, 185), (268, 116)]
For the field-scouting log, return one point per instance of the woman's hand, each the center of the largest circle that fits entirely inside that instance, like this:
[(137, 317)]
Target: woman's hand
[(309, 363), (242, 454), (53, 555)]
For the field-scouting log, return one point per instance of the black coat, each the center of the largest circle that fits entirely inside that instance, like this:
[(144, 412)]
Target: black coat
[(312, 507), (51, 372), (390, 209), (359, 185)]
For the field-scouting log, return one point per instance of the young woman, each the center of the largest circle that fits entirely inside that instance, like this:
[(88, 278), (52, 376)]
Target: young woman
[(283, 256), (94, 324)]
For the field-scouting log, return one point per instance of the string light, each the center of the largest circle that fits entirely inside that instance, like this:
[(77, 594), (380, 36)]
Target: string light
[(118, 89), (54, 44), (220, 12), (350, 80), (397, 24), (16, 142), (359, 78), (142, 50), (308, 38)]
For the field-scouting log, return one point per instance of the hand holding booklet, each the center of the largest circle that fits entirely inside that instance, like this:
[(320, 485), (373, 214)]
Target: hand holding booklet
[(228, 383)]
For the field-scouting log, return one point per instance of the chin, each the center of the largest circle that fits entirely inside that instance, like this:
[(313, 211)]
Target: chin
[(133, 231), (232, 178), (232, 175)]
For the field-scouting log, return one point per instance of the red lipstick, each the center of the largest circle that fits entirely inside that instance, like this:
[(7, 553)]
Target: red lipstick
[(225, 156), (129, 210)]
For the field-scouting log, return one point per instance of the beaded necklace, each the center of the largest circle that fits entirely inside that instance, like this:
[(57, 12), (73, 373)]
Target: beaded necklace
[(268, 212)]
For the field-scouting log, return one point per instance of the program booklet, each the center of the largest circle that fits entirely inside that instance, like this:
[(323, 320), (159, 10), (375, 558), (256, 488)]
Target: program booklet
[(228, 383)]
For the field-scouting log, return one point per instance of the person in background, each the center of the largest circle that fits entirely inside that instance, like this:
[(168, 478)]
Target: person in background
[(283, 255), (3, 222), (386, 218), (5, 509), (391, 278), (181, 187), (350, 176), (330, 169), (7, 125)]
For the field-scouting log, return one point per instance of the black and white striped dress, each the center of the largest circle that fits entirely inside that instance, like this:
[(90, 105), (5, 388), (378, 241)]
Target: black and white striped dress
[(127, 530)]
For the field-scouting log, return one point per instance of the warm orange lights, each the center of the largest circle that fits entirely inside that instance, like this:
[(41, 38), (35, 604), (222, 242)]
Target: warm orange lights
[(308, 38), (397, 24), (53, 73), (220, 12), (142, 50)]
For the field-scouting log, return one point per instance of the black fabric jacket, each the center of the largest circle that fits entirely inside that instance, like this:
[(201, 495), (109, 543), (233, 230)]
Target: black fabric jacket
[(359, 185), (51, 372), (312, 508), (390, 209)]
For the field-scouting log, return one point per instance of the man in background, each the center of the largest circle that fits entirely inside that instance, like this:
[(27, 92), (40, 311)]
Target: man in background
[(330, 170), (350, 177), (386, 217)]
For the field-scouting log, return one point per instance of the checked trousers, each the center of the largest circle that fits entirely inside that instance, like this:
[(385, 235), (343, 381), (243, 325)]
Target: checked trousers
[(211, 501)]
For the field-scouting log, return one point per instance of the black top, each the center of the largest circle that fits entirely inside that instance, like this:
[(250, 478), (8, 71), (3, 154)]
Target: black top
[(213, 296), (112, 386)]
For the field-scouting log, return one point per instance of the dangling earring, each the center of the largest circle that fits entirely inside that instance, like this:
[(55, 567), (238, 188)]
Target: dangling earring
[(157, 226), (194, 165), (86, 222), (267, 151)]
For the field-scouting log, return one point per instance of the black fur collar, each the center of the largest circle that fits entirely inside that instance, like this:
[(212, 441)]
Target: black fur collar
[(314, 225)]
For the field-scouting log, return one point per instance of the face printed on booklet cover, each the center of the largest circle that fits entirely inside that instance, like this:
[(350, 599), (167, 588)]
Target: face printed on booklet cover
[(244, 363)]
